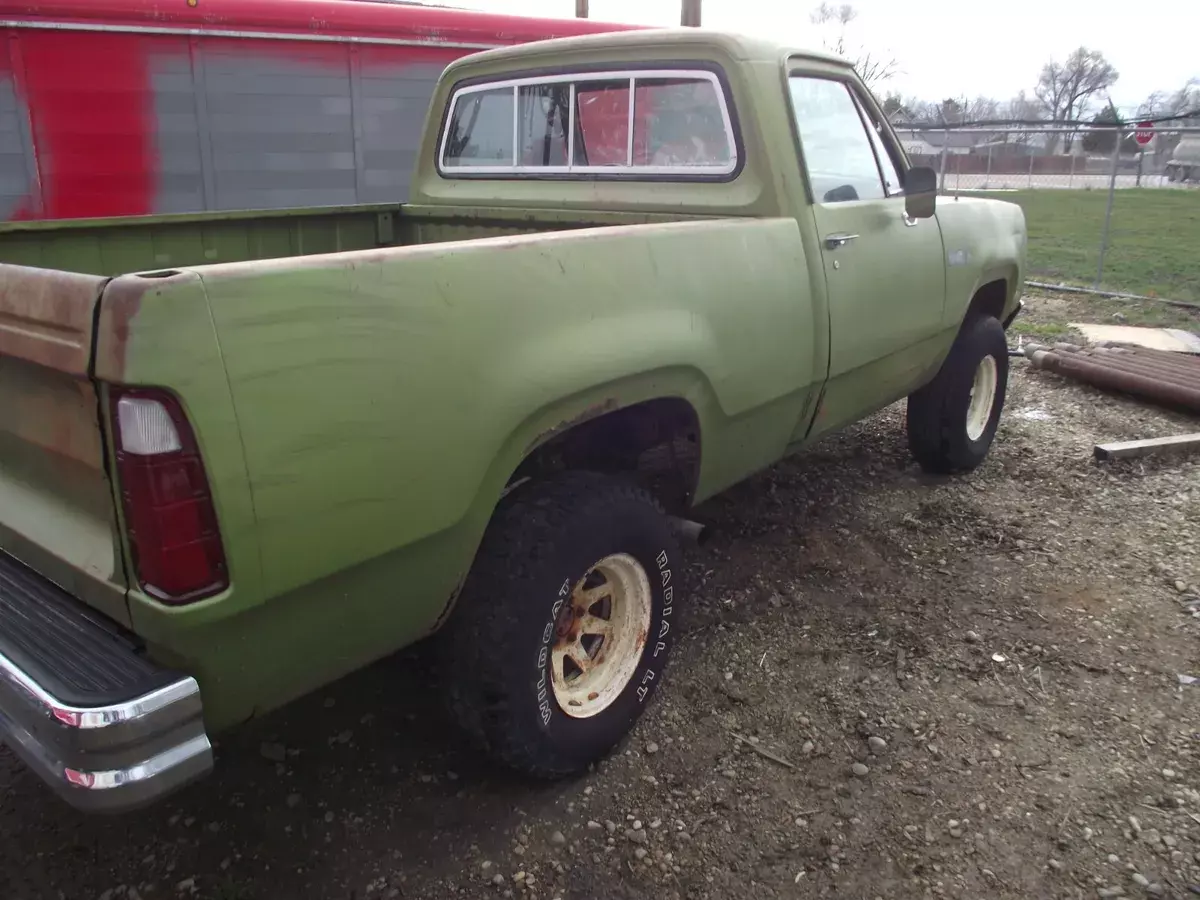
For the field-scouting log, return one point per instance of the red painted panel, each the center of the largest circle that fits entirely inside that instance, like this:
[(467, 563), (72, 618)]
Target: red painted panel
[(374, 56), (330, 17), (88, 104), (90, 97)]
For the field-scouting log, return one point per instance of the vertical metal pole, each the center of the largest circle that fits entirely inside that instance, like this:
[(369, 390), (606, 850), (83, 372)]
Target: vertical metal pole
[(1071, 177), (987, 179), (945, 150), (1031, 171), (1141, 160), (1112, 190), (690, 14), (581, 9)]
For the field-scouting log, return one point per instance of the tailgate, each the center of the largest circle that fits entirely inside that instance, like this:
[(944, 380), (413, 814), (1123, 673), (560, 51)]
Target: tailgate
[(57, 511)]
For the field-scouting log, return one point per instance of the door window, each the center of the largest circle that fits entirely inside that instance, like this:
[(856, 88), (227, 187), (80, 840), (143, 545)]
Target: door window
[(837, 150)]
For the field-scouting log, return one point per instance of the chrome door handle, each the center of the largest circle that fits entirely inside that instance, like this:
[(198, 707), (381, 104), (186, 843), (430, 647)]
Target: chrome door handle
[(833, 241)]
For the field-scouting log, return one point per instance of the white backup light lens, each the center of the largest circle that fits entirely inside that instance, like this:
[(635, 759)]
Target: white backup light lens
[(146, 427)]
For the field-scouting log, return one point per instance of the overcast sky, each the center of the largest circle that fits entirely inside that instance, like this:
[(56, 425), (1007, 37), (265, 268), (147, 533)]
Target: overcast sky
[(954, 47)]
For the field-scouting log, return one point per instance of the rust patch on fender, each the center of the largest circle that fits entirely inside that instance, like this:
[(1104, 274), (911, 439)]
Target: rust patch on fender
[(594, 411), (119, 306), (120, 303)]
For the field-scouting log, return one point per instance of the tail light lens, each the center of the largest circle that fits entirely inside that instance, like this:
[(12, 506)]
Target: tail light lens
[(169, 514)]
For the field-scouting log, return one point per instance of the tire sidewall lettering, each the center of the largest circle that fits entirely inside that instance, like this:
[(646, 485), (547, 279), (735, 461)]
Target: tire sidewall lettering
[(663, 561), (545, 698), (654, 653)]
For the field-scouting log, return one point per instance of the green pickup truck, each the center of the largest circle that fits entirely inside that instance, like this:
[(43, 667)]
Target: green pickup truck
[(637, 269)]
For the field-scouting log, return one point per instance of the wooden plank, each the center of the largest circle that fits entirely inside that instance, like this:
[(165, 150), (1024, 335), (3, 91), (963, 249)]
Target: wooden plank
[(1132, 449)]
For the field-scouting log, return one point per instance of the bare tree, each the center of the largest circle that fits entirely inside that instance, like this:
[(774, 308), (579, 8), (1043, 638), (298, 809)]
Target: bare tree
[(1165, 104), (920, 112), (873, 68), (983, 109), (1066, 89), (1021, 108)]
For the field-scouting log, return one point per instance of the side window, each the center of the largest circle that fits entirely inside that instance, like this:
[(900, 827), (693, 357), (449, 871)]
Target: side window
[(481, 130), (837, 150)]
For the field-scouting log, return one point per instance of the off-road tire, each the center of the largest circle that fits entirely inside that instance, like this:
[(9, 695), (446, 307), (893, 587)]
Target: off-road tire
[(494, 651), (937, 413)]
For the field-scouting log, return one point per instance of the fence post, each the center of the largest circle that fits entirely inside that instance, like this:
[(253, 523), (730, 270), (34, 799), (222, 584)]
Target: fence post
[(987, 179), (1031, 171), (945, 150), (1071, 177), (1112, 190)]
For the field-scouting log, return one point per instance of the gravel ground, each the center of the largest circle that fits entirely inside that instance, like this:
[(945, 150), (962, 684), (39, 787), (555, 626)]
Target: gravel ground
[(891, 686)]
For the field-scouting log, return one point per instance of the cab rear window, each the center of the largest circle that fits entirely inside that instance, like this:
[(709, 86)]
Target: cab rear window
[(671, 123)]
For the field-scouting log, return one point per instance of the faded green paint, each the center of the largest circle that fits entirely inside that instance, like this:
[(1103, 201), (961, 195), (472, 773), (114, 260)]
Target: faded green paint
[(115, 246), (371, 484), (56, 510), (360, 412), (145, 244)]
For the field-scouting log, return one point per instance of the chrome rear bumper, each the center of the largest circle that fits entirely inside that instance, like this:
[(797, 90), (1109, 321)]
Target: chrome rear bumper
[(106, 758), (104, 726)]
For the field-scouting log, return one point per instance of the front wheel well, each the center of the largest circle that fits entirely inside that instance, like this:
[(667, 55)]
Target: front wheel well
[(989, 300), (656, 442)]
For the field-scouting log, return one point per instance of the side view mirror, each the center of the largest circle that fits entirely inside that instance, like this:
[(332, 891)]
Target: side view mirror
[(920, 192)]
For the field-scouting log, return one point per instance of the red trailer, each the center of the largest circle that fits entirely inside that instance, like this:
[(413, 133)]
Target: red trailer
[(141, 107)]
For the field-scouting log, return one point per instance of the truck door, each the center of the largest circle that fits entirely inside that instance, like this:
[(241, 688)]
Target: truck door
[(884, 272)]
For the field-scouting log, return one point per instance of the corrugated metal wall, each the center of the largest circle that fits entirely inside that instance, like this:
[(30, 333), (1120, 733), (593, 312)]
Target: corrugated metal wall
[(220, 123)]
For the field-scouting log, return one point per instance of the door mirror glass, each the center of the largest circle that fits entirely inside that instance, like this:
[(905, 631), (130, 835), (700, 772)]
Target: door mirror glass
[(920, 192)]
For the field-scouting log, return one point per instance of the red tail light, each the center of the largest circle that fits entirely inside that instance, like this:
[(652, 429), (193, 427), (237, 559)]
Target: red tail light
[(169, 512)]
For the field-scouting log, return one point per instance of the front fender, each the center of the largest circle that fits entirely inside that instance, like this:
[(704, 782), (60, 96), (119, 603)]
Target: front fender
[(985, 242)]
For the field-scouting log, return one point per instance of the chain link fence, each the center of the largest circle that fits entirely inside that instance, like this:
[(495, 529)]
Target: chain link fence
[(1102, 210)]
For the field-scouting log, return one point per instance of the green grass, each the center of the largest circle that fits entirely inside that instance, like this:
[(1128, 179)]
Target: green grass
[(1153, 248)]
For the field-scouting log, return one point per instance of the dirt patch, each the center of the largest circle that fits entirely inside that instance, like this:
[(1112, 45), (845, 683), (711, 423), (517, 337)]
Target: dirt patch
[(1047, 315), (891, 686)]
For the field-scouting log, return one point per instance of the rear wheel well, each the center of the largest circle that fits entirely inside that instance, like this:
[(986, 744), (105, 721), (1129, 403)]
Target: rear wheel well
[(989, 300), (657, 443)]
